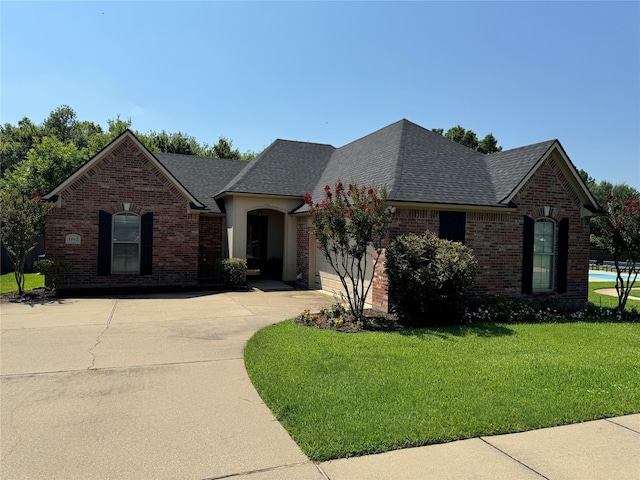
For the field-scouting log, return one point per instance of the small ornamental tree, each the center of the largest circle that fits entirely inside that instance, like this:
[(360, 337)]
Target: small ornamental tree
[(346, 223), (620, 235), (21, 219)]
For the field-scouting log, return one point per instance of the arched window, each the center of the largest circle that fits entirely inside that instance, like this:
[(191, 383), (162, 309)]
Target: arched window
[(125, 243), (544, 247), (542, 241)]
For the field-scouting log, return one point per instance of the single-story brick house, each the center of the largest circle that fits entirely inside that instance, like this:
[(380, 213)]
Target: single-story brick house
[(130, 217)]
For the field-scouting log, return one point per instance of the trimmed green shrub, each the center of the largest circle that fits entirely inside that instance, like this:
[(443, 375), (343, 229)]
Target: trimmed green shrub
[(52, 270), (429, 279), (232, 272)]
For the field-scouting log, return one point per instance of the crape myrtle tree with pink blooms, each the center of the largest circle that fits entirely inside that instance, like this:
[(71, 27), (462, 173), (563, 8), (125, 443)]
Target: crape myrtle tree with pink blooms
[(22, 218), (619, 229), (348, 221)]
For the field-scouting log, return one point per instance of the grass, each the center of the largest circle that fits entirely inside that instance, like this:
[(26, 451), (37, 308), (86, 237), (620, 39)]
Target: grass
[(609, 301), (342, 395), (31, 281)]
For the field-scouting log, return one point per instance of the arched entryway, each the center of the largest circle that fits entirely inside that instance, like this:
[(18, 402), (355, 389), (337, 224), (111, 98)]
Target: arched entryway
[(265, 243)]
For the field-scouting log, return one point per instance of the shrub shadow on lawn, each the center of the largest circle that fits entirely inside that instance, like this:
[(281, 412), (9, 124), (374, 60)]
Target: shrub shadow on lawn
[(485, 330)]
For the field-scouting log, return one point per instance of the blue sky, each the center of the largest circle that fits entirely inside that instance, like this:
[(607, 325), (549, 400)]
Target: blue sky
[(331, 72)]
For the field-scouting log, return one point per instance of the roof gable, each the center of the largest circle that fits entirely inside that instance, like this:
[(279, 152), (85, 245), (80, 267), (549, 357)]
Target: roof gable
[(125, 136), (551, 147)]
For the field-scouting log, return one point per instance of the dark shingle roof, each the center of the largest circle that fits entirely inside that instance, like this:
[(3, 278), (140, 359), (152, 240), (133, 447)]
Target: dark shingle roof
[(508, 168), (203, 177), (415, 164), (418, 165), (434, 169), (371, 160), (285, 168)]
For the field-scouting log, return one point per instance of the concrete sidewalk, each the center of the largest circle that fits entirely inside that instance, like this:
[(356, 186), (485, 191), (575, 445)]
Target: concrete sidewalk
[(602, 449), (155, 387)]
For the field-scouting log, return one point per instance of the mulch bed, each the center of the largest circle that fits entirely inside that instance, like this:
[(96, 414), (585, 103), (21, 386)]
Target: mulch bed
[(375, 320), (37, 295)]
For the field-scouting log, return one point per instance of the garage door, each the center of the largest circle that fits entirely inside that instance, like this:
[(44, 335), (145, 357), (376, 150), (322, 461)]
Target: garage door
[(327, 280)]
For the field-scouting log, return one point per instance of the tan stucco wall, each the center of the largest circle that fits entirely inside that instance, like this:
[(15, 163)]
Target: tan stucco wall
[(237, 207)]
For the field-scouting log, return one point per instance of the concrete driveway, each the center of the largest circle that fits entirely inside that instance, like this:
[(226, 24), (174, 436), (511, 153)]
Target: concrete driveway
[(155, 387), (142, 387)]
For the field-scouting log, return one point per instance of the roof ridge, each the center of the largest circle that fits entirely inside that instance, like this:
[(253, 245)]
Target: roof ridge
[(250, 166), (374, 133), (488, 155), (299, 141), (397, 177), (201, 157)]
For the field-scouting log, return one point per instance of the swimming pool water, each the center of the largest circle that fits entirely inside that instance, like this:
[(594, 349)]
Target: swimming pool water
[(608, 276)]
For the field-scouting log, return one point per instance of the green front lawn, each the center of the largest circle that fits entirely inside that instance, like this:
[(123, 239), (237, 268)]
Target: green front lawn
[(608, 301), (31, 281), (342, 395)]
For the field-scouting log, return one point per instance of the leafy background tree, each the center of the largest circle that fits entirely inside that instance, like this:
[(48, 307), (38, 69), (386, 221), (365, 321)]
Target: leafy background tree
[(46, 164), (601, 191), (37, 157), (16, 141), (468, 138)]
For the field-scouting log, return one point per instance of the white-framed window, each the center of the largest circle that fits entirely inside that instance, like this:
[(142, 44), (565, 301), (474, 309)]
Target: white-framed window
[(125, 243), (544, 243)]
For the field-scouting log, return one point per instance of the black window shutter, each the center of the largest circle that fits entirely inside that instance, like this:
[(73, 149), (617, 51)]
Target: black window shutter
[(527, 255), (146, 243), (452, 226), (104, 243), (563, 254)]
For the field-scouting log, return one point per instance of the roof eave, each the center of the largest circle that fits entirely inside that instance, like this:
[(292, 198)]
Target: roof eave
[(221, 195), (455, 207)]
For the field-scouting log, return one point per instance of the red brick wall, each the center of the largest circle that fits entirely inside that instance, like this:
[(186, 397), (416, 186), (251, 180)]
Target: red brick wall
[(125, 175), (496, 239), (414, 221), (379, 292), (210, 245), (302, 249), (549, 187)]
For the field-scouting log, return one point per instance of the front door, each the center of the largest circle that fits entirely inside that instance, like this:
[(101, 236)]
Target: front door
[(257, 244)]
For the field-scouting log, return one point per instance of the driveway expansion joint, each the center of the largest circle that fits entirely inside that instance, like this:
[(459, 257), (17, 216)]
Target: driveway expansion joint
[(99, 338), (123, 367), (260, 470), (323, 473), (513, 458), (610, 420)]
